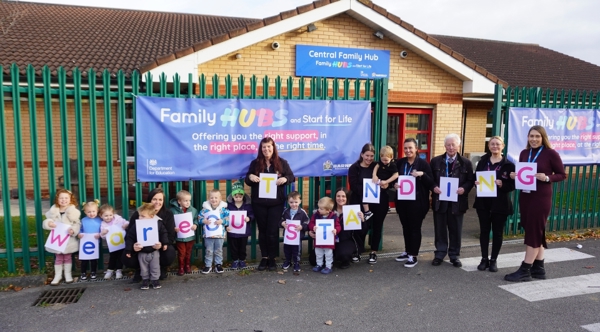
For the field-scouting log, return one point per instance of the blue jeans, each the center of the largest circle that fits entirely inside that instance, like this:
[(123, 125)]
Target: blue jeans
[(213, 247)]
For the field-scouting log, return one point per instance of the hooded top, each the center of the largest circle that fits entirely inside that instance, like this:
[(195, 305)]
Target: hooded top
[(221, 211)]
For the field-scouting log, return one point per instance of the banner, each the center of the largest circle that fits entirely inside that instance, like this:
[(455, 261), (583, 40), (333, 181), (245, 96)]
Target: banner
[(180, 139), (326, 61), (573, 133)]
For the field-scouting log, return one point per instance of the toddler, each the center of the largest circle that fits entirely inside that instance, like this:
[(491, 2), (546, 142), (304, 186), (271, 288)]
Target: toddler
[(182, 203), (90, 224), (294, 211), (325, 211), (214, 244), (110, 218), (236, 243)]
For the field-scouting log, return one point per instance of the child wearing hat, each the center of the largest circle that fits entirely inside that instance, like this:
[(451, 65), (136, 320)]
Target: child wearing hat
[(238, 200)]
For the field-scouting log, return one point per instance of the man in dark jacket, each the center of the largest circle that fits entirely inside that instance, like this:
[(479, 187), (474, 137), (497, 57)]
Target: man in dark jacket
[(448, 216)]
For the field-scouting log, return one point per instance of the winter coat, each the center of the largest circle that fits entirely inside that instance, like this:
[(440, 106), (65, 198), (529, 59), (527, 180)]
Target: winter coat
[(463, 170), (501, 204), (70, 218), (336, 222), (177, 209), (223, 213), (246, 206), (281, 196), (300, 215), (131, 237)]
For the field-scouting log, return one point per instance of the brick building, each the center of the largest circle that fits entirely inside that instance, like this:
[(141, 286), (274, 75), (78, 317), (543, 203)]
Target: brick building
[(437, 84)]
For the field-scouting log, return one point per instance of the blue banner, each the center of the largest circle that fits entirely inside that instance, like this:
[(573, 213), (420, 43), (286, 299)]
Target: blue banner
[(327, 61), (208, 139), (573, 133)]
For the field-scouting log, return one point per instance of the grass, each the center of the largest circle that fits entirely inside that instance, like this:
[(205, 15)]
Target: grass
[(16, 232)]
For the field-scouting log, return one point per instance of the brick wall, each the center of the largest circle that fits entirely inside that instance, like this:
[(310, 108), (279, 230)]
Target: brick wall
[(476, 124)]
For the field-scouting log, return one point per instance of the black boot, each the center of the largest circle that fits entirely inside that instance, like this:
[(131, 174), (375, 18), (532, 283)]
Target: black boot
[(493, 267), (485, 263), (163, 273), (537, 269), (522, 274), (137, 277)]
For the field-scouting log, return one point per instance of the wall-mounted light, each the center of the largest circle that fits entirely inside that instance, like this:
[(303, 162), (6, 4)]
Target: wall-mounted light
[(378, 34), (311, 27), (238, 55)]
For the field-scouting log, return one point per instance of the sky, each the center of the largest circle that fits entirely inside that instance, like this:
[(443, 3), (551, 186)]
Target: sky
[(566, 26)]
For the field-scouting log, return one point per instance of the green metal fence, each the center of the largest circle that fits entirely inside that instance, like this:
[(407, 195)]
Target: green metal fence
[(88, 119), (576, 200)]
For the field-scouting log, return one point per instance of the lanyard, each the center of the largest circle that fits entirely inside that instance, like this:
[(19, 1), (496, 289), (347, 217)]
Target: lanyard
[(536, 155), (409, 170), (497, 167)]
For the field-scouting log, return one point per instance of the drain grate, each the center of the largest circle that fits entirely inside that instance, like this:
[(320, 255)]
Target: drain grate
[(64, 296)]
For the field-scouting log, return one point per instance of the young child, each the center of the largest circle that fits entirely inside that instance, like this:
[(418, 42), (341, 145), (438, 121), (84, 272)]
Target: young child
[(325, 211), (214, 244), (64, 211), (110, 218), (294, 212), (386, 170), (90, 224), (149, 256), (182, 203), (238, 200)]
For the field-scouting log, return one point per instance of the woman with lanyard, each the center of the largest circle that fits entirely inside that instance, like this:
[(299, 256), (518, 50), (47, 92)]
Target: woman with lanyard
[(268, 211), (493, 211), (412, 213), (535, 205), (361, 169)]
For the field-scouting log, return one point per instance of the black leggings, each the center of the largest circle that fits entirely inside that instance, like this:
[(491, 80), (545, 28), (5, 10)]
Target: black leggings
[(93, 263), (494, 222), (375, 223), (268, 220)]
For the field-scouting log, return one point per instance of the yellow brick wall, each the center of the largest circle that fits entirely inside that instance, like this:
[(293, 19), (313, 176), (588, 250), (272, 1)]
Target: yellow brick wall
[(476, 128), (413, 74), (447, 119)]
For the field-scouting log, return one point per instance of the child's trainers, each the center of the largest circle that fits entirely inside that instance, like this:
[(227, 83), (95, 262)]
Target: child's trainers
[(242, 264), (372, 258), (206, 270), (119, 274), (93, 275), (326, 270), (297, 267), (145, 284), (235, 265), (156, 284), (83, 276), (368, 215), (219, 268), (317, 268), (286, 265), (108, 274)]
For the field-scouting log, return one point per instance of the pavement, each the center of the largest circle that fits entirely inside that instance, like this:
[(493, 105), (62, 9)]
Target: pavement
[(381, 297)]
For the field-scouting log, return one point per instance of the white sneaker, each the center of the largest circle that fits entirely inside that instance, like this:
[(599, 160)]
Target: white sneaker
[(119, 274), (109, 274)]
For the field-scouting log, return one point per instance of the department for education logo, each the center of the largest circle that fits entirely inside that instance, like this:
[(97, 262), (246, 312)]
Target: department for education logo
[(152, 162), (327, 165)]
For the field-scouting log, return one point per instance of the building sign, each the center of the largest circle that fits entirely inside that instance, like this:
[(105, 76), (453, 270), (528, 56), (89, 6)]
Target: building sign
[(326, 61), (573, 133), (179, 139)]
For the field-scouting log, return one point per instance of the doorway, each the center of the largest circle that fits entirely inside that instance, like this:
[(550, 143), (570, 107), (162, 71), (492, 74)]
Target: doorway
[(406, 123)]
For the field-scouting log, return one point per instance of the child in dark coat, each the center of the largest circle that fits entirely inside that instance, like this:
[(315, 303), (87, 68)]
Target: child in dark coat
[(238, 200), (294, 211)]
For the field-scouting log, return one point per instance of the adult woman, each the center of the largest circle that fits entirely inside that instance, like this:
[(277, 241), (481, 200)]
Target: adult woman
[(157, 198), (267, 211), (348, 239), (535, 205), (362, 169), (493, 211), (412, 213)]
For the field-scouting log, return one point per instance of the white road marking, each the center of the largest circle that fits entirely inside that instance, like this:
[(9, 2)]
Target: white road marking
[(592, 327), (514, 260), (555, 288)]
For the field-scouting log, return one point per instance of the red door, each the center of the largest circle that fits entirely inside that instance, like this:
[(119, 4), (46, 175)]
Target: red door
[(406, 123)]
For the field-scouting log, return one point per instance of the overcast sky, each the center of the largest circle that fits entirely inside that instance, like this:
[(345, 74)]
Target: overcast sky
[(567, 26)]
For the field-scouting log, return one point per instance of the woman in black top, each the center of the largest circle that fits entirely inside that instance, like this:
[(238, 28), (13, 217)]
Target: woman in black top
[(493, 211), (412, 213), (267, 211), (361, 169)]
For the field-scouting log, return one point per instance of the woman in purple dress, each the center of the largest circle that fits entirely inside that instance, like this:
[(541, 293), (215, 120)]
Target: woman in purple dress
[(535, 205)]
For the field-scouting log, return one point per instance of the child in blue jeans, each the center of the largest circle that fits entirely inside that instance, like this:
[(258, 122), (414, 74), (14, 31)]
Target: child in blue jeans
[(214, 210)]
